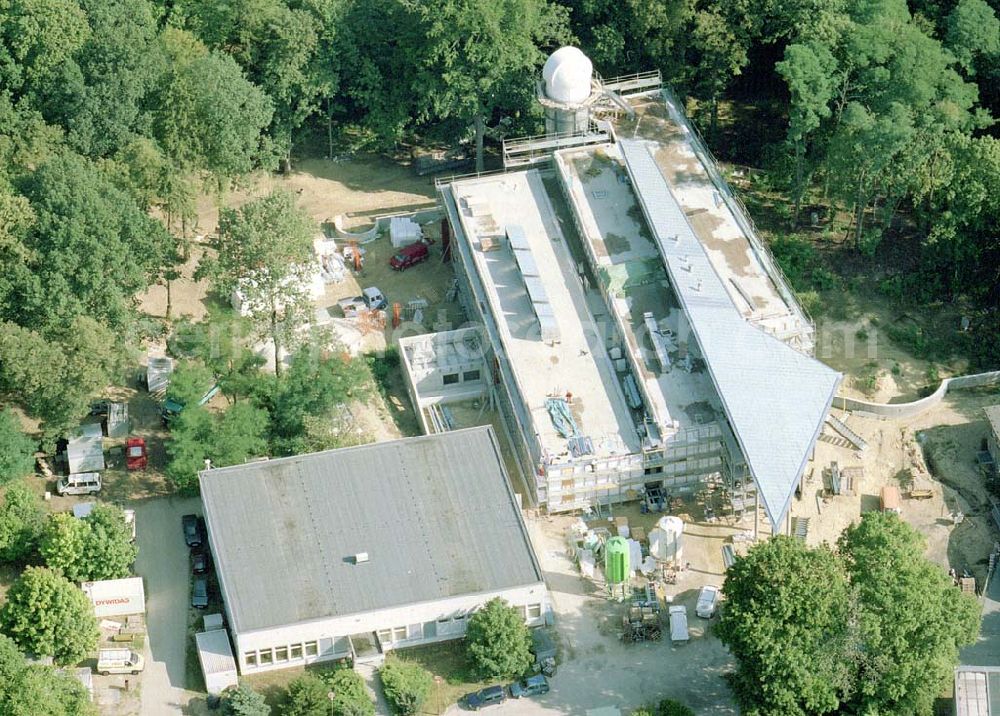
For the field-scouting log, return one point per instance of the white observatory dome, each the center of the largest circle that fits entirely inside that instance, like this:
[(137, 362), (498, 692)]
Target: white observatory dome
[(567, 74)]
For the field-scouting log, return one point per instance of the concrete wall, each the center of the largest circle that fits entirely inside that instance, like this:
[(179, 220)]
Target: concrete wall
[(909, 410), (428, 622)]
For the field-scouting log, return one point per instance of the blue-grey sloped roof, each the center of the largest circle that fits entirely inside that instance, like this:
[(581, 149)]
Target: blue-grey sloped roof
[(435, 514), (775, 398)]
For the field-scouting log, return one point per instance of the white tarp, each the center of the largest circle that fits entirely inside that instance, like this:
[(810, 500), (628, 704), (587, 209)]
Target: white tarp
[(307, 278), (635, 554), (404, 231), (587, 564), (85, 452), (115, 597)]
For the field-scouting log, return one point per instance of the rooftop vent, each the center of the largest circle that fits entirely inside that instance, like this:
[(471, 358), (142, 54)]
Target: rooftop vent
[(360, 558)]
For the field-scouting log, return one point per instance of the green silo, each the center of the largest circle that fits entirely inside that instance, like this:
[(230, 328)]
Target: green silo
[(616, 566)]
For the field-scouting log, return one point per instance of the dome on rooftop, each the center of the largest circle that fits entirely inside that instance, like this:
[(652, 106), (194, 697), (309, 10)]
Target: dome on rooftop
[(567, 74)]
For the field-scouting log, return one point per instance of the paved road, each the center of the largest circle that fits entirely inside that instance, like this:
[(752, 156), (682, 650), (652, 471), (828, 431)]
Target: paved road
[(986, 651), (163, 564)]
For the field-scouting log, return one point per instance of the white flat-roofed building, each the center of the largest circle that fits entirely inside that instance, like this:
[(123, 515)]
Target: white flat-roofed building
[(387, 545)]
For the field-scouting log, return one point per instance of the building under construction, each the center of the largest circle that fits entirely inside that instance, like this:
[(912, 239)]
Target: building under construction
[(627, 323)]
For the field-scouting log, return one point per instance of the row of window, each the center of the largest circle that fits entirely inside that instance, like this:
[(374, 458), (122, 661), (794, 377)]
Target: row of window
[(281, 654), (448, 626), (466, 377)]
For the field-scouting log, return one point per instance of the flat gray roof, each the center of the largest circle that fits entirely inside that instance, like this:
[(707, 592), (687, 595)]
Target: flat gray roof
[(776, 398), (435, 514)]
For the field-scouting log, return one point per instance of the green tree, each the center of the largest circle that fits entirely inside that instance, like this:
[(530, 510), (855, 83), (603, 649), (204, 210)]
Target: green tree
[(784, 621), (722, 54), (973, 32), (47, 615), (264, 249), (17, 450), (31, 689), (38, 36), (308, 695), (350, 697), (97, 547), (63, 543), (475, 57), (244, 701), (498, 641), (210, 116), (109, 551), (808, 70), (21, 521), (406, 685), (912, 620)]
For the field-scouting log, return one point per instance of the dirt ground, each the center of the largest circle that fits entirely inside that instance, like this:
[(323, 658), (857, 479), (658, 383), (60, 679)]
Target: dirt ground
[(950, 435), (359, 188)]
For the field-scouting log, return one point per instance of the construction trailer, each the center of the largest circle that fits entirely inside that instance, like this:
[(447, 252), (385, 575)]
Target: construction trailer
[(218, 665)]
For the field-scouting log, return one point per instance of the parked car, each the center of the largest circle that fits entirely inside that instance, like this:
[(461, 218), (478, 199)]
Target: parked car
[(409, 256), (708, 600), (489, 696), (135, 454), (199, 593), (193, 536), (532, 686), (200, 562), (82, 483)]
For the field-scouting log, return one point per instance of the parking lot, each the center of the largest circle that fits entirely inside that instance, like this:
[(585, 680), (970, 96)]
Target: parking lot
[(163, 564), (597, 670)]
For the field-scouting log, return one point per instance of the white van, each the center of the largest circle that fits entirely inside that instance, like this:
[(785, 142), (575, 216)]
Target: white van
[(679, 625), (119, 661), (82, 483)]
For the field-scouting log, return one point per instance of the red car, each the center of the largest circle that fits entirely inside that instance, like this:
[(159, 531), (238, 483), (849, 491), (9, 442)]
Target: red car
[(409, 256), (135, 454)]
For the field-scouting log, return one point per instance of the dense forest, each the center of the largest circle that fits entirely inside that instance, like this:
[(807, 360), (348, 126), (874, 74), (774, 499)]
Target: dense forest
[(115, 115)]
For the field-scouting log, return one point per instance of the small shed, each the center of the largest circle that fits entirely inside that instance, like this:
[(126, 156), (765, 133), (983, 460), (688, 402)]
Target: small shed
[(85, 452), (217, 662), (118, 424), (158, 370)]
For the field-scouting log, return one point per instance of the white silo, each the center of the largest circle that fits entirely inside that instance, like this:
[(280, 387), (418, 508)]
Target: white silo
[(670, 546), (567, 82)]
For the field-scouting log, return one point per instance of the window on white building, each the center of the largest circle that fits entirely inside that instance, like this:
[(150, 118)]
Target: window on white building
[(266, 657), (312, 648), (470, 375), (384, 635), (450, 378), (398, 633), (415, 631), (281, 654), (295, 651), (534, 611), (250, 658)]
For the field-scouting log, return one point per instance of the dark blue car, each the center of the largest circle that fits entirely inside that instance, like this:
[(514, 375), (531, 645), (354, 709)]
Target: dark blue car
[(486, 697)]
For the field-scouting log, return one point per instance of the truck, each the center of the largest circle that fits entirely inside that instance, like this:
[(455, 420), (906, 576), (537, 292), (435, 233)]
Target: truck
[(119, 661), (679, 625), (371, 298)]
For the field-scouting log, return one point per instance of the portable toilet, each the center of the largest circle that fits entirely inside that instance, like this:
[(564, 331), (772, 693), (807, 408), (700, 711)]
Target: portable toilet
[(616, 560)]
